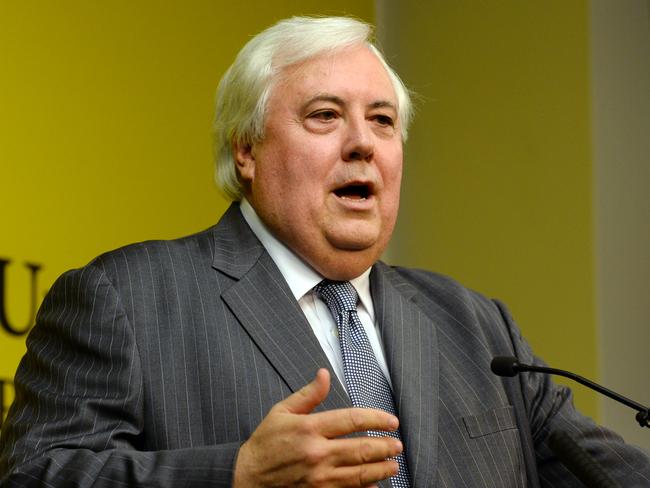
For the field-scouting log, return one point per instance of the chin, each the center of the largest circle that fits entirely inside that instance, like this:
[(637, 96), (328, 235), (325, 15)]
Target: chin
[(354, 238), (346, 264), (343, 272)]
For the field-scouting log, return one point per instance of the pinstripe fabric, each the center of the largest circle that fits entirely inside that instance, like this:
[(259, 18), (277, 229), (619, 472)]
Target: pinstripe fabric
[(151, 365)]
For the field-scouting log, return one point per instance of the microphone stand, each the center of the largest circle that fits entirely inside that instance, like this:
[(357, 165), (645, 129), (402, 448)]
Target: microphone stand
[(567, 450), (643, 413)]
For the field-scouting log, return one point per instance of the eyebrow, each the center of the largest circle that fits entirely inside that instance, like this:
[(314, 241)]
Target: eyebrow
[(324, 97), (383, 104)]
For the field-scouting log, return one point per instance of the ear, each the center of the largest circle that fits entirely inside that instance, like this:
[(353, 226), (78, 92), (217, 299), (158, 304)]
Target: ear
[(244, 160)]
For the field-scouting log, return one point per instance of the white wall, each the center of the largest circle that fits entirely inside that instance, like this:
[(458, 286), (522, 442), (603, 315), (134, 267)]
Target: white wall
[(620, 36)]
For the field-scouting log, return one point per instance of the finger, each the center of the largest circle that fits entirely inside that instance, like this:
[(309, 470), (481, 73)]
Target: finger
[(363, 450), (309, 396), (335, 423), (365, 474)]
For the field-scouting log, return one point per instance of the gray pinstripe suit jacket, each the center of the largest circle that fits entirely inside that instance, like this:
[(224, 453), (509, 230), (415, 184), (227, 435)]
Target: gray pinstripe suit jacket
[(151, 365)]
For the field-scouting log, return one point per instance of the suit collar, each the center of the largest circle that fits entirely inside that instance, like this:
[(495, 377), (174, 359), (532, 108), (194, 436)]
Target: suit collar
[(264, 305), (236, 249)]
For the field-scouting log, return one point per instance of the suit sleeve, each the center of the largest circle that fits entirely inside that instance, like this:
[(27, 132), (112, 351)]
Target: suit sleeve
[(77, 419), (550, 408)]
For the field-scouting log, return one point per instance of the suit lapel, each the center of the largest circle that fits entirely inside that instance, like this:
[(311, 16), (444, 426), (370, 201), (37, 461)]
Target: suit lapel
[(409, 338), (263, 304)]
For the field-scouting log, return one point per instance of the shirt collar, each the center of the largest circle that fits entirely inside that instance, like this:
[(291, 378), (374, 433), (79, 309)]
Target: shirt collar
[(299, 275)]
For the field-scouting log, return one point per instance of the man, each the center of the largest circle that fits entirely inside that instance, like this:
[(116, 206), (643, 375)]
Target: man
[(227, 358)]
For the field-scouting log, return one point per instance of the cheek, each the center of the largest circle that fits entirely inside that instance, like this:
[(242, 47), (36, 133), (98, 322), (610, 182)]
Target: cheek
[(392, 174), (392, 177), (309, 166)]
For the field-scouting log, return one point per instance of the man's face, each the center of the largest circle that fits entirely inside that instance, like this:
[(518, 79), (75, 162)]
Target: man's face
[(326, 177)]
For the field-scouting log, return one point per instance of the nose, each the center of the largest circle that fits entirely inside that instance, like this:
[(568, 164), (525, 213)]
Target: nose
[(359, 142)]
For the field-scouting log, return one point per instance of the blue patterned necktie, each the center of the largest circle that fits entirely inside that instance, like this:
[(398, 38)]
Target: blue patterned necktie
[(365, 382)]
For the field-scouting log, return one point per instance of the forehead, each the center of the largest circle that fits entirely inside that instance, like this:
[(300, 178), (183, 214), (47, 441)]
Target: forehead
[(349, 74)]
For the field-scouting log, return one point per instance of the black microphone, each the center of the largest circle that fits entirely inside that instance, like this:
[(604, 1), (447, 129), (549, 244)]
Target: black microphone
[(510, 366), (579, 462)]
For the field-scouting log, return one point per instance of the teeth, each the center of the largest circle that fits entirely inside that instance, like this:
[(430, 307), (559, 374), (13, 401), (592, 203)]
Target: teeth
[(354, 192)]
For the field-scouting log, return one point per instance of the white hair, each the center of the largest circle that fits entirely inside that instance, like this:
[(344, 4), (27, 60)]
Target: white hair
[(244, 90)]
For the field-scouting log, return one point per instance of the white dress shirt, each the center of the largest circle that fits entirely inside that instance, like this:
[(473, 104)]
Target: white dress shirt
[(301, 279)]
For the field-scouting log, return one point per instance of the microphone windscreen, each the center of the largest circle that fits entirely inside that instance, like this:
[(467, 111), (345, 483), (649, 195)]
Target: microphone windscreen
[(505, 366)]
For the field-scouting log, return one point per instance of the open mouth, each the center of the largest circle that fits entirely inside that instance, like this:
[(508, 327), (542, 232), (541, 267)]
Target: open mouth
[(354, 192)]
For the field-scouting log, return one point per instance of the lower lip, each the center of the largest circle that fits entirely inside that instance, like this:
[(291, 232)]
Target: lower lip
[(356, 203)]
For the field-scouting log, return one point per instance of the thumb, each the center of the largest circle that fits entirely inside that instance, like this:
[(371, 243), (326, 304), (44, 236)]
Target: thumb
[(309, 396)]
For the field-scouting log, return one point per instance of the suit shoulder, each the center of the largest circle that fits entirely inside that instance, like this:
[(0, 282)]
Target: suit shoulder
[(460, 311), (156, 251), (159, 256), (445, 291), (426, 280)]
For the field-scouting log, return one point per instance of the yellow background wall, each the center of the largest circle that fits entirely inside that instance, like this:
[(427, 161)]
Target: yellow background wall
[(105, 113), (498, 174)]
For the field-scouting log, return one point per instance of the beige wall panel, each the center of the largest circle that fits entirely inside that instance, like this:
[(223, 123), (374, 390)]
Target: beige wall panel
[(498, 176), (621, 121)]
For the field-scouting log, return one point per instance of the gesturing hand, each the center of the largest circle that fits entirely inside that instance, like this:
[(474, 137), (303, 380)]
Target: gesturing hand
[(293, 447)]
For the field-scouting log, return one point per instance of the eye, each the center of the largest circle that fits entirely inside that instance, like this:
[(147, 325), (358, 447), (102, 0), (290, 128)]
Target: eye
[(384, 120), (324, 115)]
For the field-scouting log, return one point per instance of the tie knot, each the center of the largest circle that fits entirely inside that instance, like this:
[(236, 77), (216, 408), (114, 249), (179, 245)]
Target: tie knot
[(339, 296)]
